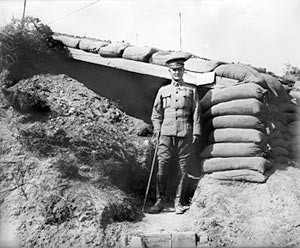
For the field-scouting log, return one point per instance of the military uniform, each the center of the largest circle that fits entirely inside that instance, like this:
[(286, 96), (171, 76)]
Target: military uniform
[(176, 115)]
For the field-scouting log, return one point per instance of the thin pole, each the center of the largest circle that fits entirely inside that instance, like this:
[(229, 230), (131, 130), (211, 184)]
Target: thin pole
[(24, 9), (151, 173), (180, 37), (137, 39)]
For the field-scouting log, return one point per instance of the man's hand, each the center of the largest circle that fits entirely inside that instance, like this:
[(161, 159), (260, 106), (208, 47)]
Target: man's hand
[(155, 136), (196, 139)]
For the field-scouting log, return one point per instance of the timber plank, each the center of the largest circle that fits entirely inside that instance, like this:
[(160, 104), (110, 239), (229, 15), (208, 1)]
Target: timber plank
[(165, 240), (184, 240), (157, 240)]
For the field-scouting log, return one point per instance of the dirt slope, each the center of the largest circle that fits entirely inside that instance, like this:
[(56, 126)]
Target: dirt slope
[(67, 156)]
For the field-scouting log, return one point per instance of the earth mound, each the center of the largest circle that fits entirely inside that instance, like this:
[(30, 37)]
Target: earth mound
[(67, 160)]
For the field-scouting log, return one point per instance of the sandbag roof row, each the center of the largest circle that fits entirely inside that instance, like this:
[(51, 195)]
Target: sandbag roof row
[(151, 61)]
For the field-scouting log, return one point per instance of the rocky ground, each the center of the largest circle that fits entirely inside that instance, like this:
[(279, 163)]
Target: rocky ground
[(73, 172)]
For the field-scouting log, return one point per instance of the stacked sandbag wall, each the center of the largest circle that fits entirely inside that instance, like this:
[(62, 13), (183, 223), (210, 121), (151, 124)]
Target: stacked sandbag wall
[(294, 131), (234, 125), (284, 131), (247, 126), (294, 126), (284, 120), (278, 137)]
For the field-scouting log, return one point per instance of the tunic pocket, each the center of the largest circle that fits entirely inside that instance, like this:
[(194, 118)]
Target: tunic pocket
[(187, 97), (166, 99)]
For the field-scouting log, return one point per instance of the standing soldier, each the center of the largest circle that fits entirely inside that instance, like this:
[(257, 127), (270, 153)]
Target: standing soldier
[(176, 121)]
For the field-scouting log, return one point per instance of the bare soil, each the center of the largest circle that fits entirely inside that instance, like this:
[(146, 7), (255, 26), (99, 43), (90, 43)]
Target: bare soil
[(67, 156)]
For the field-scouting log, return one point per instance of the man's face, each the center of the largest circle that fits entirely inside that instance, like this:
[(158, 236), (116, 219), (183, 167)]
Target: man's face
[(177, 73)]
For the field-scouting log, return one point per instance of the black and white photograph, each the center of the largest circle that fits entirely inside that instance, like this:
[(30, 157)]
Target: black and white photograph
[(149, 123)]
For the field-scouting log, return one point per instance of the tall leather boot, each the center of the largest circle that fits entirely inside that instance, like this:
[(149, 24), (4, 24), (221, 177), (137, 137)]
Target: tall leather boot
[(160, 195), (180, 193)]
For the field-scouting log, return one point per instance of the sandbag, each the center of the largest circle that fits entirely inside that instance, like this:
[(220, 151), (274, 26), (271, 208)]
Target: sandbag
[(295, 94), (259, 69), (279, 142), (240, 175), (91, 45), (289, 108), (294, 128), (287, 118), (287, 136), (222, 164), (235, 121), (249, 106), (222, 82), (138, 53), (201, 65), (67, 41), (295, 149), (278, 151), (240, 72), (277, 93), (273, 126), (279, 117), (233, 150), (160, 58), (277, 134), (275, 114), (280, 159), (276, 125), (113, 50), (295, 140), (273, 109), (236, 135), (242, 91)]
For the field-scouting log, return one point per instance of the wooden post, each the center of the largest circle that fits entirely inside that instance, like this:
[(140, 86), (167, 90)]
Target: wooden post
[(180, 37), (24, 9)]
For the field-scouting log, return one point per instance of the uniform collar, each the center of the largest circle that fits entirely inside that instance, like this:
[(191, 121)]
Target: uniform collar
[(177, 84)]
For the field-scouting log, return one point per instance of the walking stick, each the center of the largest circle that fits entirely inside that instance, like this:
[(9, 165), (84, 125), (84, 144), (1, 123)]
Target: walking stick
[(151, 173)]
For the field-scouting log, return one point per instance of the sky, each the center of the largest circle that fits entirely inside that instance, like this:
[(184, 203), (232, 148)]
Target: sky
[(262, 33)]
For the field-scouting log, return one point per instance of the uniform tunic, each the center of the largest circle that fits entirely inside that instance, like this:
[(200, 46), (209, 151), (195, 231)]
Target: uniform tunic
[(176, 114)]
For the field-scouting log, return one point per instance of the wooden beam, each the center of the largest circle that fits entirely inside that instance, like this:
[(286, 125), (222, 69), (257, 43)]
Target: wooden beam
[(184, 239), (164, 240)]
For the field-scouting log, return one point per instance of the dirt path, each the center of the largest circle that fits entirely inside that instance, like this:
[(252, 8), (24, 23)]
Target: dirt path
[(8, 234), (166, 221)]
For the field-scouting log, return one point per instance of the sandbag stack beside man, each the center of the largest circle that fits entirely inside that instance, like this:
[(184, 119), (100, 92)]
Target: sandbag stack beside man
[(246, 124)]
